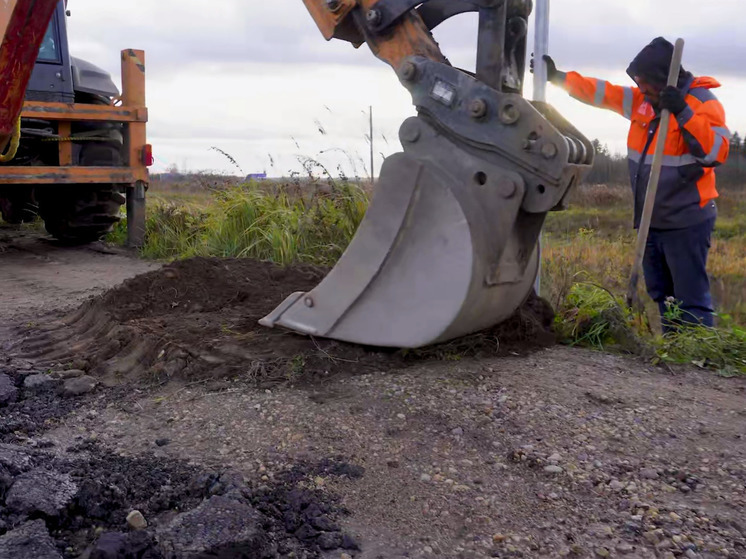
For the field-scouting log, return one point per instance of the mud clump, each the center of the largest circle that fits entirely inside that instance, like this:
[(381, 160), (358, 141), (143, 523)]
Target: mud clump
[(198, 319), (530, 327), (29, 541), (8, 390), (26, 411)]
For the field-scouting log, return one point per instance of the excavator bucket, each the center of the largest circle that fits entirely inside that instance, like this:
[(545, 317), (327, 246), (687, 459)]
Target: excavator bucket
[(449, 244)]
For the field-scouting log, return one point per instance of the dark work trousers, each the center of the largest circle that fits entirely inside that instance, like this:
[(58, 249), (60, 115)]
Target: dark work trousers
[(675, 267)]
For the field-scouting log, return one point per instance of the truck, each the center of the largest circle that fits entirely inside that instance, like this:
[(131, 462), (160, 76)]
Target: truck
[(78, 153)]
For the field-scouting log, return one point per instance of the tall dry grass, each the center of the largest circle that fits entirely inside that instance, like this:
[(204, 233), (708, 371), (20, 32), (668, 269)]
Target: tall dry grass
[(594, 241)]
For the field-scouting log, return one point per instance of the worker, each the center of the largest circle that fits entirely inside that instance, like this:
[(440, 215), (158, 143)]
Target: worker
[(675, 263)]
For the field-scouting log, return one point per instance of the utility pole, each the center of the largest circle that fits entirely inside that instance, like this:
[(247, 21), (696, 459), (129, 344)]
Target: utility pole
[(372, 175), (541, 47)]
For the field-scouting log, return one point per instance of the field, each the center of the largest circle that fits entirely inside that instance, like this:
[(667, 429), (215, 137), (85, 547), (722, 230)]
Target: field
[(587, 254)]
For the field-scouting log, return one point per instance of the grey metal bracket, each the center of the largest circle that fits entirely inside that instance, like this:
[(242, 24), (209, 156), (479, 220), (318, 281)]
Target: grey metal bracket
[(384, 13), (530, 138)]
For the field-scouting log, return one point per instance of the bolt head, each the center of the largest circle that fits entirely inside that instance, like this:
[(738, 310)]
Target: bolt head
[(478, 108), (509, 114), (549, 151), (408, 71), (373, 17), (309, 302), (508, 188), (410, 132), (333, 5)]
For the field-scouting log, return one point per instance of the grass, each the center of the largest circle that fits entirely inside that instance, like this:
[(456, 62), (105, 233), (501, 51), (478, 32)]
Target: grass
[(587, 256), (721, 349), (283, 224), (592, 316), (593, 241)]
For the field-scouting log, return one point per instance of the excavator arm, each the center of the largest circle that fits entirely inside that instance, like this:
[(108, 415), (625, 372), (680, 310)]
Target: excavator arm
[(360, 22), (449, 245), (396, 30), (22, 27)]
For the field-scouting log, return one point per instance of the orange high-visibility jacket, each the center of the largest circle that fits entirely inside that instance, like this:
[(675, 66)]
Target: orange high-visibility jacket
[(698, 141)]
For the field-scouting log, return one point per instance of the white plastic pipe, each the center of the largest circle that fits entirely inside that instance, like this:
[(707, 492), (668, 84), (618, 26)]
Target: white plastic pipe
[(541, 47)]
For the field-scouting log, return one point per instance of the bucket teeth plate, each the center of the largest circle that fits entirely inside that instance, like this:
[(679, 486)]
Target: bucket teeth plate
[(437, 256)]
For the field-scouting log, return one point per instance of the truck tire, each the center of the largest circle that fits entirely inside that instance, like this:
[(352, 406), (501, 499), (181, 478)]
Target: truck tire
[(81, 214), (18, 207)]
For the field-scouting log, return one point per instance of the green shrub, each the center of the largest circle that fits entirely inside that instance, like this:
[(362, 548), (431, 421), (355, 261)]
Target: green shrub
[(593, 317)]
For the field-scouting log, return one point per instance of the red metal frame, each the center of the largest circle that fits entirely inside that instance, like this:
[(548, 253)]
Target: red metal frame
[(23, 32)]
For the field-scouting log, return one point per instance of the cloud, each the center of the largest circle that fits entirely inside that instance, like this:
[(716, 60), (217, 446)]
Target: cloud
[(178, 35), (601, 35), (257, 76)]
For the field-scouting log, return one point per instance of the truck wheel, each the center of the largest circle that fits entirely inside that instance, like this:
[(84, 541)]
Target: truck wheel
[(84, 213), (18, 207), (81, 214)]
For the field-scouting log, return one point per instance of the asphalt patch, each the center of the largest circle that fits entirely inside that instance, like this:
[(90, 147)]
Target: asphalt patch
[(28, 410), (82, 498)]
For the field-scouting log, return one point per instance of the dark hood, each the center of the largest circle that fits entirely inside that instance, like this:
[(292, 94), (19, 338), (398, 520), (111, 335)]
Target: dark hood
[(653, 63)]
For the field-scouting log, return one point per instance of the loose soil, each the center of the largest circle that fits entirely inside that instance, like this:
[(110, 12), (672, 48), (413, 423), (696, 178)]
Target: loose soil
[(198, 319), (499, 445)]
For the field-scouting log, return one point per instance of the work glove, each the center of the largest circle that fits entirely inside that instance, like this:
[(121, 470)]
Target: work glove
[(553, 74), (672, 99)]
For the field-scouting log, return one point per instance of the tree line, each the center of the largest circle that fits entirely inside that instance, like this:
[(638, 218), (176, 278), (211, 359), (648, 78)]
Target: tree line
[(612, 168)]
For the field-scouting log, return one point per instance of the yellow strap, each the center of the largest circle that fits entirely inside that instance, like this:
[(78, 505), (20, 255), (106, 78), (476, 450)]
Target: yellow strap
[(15, 140)]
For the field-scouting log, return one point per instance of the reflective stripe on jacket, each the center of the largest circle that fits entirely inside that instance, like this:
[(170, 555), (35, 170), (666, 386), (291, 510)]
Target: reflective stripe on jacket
[(698, 141)]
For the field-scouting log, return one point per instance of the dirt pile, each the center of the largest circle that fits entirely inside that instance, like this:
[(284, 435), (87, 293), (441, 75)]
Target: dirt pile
[(199, 318)]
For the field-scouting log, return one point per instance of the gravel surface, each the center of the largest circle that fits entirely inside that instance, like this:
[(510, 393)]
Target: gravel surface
[(555, 452), (566, 453), (39, 276)]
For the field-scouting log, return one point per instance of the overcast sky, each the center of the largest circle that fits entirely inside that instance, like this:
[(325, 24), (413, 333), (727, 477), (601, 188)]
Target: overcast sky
[(257, 80)]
